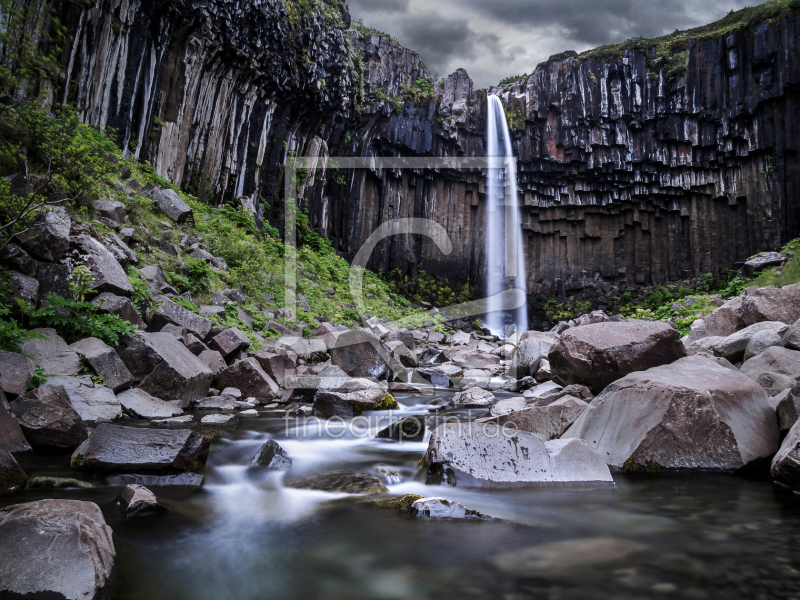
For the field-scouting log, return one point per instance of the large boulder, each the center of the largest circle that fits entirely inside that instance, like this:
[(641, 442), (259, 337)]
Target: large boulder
[(104, 361), (116, 448), (410, 429), (48, 238), (248, 376), (165, 368), (772, 304), (108, 274), (52, 354), (791, 339), (548, 422), (278, 366), (111, 304), (760, 342), (773, 360), (488, 455), (473, 398), (693, 414), (12, 476), (11, 438), (111, 210), (786, 464), (353, 404), (171, 204), (528, 356), (142, 405), (56, 549), (597, 355), (470, 358), (734, 347), (171, 313), (724, 321), (16, 373), (272, 456), (229, 341), (764, 260), (93, 402), (48, 419), (360, 354)]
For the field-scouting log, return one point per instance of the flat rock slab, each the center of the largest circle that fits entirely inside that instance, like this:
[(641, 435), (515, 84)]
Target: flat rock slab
[(140, 404), (488, 455), (135, 450), (219, 421), (16, 373), (53, 354), (93, 402), (61, 549), (693, 414), (104, 361), (597, 355), (181, 479), (343, 482), (48, 419)]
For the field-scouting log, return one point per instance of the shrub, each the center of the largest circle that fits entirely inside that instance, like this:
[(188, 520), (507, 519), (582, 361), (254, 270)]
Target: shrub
[(75, 321), (197, 275)]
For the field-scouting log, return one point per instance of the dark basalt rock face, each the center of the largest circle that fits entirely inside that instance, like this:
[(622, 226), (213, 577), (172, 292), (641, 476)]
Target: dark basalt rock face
[(628, 175)]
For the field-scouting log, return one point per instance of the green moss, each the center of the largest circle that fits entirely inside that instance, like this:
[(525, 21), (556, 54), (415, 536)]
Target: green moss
[(401, 503)]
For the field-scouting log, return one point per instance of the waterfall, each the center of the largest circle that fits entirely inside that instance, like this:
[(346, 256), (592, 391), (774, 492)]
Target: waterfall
[(505, 256)]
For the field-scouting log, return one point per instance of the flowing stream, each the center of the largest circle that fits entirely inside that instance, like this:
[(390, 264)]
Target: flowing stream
[(504, 250), (245, 536)]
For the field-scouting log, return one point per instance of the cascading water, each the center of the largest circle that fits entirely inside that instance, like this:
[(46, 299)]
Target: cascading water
[(505, 257)]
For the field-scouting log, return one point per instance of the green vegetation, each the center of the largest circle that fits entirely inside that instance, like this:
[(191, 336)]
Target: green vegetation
[(786, 275), (513, 79), (426, 288)]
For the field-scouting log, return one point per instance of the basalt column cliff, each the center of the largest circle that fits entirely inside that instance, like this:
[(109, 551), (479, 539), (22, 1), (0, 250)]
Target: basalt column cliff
[(635, 166)]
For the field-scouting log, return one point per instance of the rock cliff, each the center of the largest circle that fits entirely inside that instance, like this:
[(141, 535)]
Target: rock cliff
[(637, 165)]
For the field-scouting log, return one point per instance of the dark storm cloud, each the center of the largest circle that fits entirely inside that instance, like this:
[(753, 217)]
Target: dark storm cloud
[(361, 7), (438, 40)]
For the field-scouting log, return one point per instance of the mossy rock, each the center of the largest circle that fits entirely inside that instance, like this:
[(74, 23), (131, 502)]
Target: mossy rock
[(49, 483), (401, 503), (631, 466), (348, 482)]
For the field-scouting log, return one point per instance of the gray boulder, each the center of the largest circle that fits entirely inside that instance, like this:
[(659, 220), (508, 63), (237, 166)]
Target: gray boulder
[(335, 404), (760, 342), (220, 421), (597, 355), (775, 383), (142, 405), (488, 455), (734, 346), (764, 260), (791, 339), (134, 450), (438, 508), (444, 375), (724, 321), (248, 376), (773, 360), (111, 304), (548, 422), (138, 500), (52, 354), (786, 464), (170, 203), (410, 429), (12, 476), (48, 238), (104, 361), (48, 419), (360, 354), (61, 549), (473, 398), (787, 407), (120, 250), (93, 402), (11, 438), (170, 313), (693, 414), (229, 341), (165, 368), (278, 366), (16, 373), (272, 456), (528, 356), (213, 360), (772, 304), (111, 210), (108, 274)]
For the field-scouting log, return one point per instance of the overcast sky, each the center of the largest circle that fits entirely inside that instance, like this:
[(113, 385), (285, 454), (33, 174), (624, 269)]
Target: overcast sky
[(493, 39)]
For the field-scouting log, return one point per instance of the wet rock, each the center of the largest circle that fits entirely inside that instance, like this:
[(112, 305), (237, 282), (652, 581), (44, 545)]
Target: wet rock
[(343, 482), (528, 356), (775, 383), (760, 342), (470, 358), (48, 238), (548, 422), (487, 455), (733, 347), (508, 405), (181, 479), (772, 304), (182, 421), (57, 483), (93, 402), (166, 368), (410, 429), (693, 414), (114, 211), (442, 375), (12, 476), (219, 421), (401, 503), (62, 549), (134, 450), (359, 354), (786, 464), (11, 438), (438, 508), (229, 341), (16, 373), (170, 203), (170, 313), (401, 353), (138, 500), (250, 378), (104, 361), (473, 398), (213, 360), (108, 274), (278, 366), (142, 405), (111, 304), (52, 354), (272, 456), (335, 404), (597, 355), (249, 414), (48, 419)]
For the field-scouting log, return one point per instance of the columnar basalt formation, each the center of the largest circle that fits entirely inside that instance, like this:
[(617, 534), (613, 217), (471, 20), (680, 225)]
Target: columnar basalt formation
[(632, 173)]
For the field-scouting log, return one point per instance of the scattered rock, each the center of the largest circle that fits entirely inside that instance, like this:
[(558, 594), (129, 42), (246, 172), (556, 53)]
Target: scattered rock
[(129, 449), (142, 405), (23, 288), (48, 418), (108, 274), (773, 360), (787, 407), (249, 414), (138, 500), (12, 476), (105, 362), (170, 313), (52, 354), (250, 378), (62, 549), (181, 479), (229, 341), (93, 402), (170, 203), (401, 353), (772, 304), (359, 354), (48, 238), (219, 421), (343, 482), (114, 211), (791, 339), (16, 373), (410, 429), (335, 404), (272, 456), (473, 398)]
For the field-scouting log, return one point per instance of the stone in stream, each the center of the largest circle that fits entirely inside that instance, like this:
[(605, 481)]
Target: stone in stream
[(353, 404), (181, 479), (223, 403), (248, 376), (438, 508), (488, 455), (16, 373), (135, 450), (272, 456), (360, 354), (11, 438), (104, 361), (92, 401), (346, 482), (473, 398), (48, 238), (52, 354), (61, 549), (470, 358), (773, 360), (48, 419), (597, 355), (12, 476), (219, 421), (508, 405), (45, 482), (182, 421), (772, 304), (249, 414), (548, 422), (693, 414), (142, 405), (138, 500), (410, 429), (441, 375)]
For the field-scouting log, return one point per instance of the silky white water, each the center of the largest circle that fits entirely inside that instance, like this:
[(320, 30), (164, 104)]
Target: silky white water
[(505, 256)]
